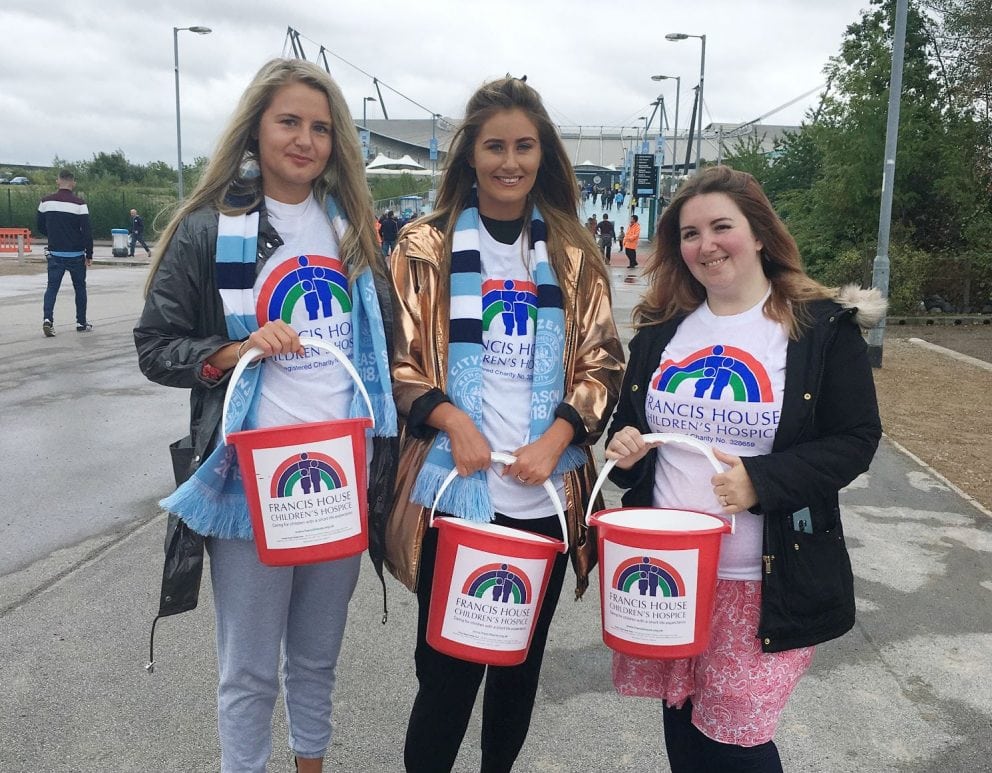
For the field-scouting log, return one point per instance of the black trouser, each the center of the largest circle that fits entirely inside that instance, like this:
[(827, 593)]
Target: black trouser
[(606, 245), (448, 686), (631, 254), (689, 751), (137, 238)]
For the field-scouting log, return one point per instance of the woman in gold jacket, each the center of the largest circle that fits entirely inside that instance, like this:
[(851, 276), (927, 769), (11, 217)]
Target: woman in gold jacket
[(505, 217)]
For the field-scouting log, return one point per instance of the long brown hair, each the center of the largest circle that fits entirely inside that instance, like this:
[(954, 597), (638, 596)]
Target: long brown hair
[(555, 192), (343, 178), (673, 290)]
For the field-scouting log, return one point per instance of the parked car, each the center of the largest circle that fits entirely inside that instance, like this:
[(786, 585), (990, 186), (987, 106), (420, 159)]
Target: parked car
[(19, 181), (4, 181)]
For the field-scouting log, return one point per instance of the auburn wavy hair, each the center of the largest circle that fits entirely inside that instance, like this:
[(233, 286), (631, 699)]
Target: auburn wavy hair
[(673, 290)]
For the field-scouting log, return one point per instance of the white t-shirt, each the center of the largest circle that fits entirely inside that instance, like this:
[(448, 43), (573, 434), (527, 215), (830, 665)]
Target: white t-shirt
[(720, 380), (509, 322), (304, 283)]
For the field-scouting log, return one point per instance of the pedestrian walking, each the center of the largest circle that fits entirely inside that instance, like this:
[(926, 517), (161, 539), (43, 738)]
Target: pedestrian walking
[(770, 368), (287, 176), (389, 228), (65, 219), (630, 240), (137, 233), (523, 237), (591, 225), (606, 234)]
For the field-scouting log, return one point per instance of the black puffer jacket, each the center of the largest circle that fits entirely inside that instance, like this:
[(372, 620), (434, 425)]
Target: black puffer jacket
[(827, 436), (181, 325)]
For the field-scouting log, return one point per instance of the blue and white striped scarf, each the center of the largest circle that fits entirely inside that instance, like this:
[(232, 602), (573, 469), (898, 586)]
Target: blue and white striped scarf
[(468, 497), (212, 502)]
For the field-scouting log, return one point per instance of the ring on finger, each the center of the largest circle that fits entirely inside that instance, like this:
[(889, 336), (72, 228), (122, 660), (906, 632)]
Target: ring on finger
[(520, 479)]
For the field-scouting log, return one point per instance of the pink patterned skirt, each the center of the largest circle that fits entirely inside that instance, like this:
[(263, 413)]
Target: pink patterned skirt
[(737, 691)]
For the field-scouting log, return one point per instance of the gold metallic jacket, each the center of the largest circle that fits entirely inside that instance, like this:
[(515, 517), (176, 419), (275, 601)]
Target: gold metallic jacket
[(593, 372)]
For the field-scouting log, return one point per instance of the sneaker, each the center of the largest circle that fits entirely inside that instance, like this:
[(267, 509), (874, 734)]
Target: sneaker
[(48, 328), (84, 328)]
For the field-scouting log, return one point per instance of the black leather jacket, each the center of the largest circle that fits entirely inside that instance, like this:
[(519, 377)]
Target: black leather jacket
[(827, 436)]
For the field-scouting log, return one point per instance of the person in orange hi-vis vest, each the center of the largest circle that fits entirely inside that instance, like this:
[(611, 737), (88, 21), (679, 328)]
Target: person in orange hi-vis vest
[(630, 240)]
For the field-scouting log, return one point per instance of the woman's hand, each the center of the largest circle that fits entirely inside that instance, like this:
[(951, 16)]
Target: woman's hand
[(733, 488), (628, 447), (275, 337), (469, 448), (536, 461)]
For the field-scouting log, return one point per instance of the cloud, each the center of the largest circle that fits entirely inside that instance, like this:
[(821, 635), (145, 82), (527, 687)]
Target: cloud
[(81, 78)]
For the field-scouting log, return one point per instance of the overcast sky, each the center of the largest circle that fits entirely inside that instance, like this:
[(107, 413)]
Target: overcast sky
[(82, 76)]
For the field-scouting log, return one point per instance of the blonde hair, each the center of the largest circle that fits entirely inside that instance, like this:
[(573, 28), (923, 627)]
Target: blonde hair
[(343, 178), (555, 192), (673, 290)]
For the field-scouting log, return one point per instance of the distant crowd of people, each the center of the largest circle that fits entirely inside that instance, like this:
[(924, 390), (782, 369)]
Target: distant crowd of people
[(607, 197)]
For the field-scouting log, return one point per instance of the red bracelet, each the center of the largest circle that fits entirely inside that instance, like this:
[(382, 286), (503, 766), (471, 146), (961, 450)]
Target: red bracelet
[(210, 373)]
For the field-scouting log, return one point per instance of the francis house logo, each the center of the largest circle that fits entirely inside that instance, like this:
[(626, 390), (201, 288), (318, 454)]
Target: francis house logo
[(318, 282), (504, 583), (513, 301), (648, 576), (717, 372), (307, 473)]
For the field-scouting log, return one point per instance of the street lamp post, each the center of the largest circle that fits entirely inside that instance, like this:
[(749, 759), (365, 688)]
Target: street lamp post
[(702, 72), (675, 129), (175, 54), (365, 103), (433, 154)]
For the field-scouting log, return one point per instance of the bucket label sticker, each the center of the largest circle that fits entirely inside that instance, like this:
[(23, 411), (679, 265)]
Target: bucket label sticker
[(651, 595), (492, 599), (307, 494)]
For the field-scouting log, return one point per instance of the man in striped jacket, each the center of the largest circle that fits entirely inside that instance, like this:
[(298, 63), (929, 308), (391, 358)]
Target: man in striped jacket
[(65, 219)]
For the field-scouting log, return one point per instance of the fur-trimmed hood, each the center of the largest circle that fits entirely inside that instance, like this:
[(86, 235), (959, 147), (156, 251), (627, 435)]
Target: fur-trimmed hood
[(869, 304)]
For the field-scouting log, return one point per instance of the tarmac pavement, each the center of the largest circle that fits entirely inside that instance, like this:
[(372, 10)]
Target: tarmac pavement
[(906, 691)]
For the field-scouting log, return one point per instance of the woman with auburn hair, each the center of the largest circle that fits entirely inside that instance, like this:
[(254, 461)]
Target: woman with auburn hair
[(739, 348), (282, 204), (505, 217)]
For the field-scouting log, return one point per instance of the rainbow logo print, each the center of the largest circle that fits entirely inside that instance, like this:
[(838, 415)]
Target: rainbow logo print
[(313, 280), (648, 576), (514, 301), (306, 473), (715, 369), (499, 582)]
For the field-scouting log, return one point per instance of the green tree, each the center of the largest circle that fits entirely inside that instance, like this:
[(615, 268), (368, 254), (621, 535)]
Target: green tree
[(826, 181), (747, 155)]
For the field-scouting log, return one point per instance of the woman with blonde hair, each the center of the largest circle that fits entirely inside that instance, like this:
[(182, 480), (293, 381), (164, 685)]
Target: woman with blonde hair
[(535, 375), (276, 243), (740, 349)]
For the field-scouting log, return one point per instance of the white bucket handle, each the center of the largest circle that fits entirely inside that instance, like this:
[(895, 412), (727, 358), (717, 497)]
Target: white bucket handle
[(503, 458), (317, 343), (661, 437)]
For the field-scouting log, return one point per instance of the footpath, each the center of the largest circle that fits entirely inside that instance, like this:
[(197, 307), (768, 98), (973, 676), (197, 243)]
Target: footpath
[(907, 691)]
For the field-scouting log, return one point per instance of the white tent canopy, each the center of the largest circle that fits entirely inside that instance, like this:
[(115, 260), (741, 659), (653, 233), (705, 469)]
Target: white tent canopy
[(400, 164)]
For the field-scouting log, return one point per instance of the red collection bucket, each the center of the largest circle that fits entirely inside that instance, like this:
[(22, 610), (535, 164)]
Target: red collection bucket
[(305, 483), (657, 571), (489, 583)]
